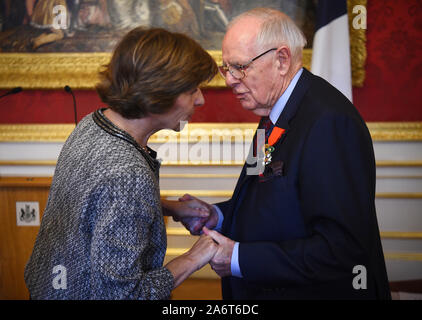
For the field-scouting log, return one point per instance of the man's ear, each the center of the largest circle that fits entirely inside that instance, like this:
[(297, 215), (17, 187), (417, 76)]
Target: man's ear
[(284, 59)]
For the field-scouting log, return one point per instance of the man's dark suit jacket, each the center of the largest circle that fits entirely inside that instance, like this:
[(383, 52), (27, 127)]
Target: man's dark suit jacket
[(302, 233)]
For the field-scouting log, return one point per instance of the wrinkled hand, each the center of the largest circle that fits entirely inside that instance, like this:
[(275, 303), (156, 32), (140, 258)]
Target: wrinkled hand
[(192, 208), (194, 259), (195, 224), (187, 209), (221, 262), (202, 251)]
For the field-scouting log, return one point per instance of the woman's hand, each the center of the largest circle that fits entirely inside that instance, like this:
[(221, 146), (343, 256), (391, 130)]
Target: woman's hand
[(179, 210), (202, 251), (198, 256)]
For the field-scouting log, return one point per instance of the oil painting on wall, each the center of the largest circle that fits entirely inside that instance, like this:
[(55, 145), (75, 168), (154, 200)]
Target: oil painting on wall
[(38, 26)]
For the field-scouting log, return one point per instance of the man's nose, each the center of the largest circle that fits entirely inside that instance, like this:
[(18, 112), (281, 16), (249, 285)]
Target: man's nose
[(230, 80)]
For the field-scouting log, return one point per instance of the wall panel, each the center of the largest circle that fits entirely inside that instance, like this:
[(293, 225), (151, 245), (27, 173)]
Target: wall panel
[(16, 242)]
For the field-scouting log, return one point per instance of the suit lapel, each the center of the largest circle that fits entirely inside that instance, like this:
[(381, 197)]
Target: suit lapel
[(240, 182), (290, 109), (293, 104), (244, 176)]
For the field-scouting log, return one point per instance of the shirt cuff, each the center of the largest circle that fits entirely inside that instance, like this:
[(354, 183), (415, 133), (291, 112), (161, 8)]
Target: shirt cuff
[(235, 268), (220, 218)]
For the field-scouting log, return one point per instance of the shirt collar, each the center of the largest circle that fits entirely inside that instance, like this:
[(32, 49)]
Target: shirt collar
[(282, 101)]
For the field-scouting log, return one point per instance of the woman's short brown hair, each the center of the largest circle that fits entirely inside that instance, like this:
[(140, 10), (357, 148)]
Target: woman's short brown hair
[(150, 68)]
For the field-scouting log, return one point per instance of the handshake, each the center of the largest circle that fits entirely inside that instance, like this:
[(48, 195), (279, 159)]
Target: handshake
[(199, 218)]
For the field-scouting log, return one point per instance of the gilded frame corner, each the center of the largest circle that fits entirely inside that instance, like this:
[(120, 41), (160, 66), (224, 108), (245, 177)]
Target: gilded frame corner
[(80, 70)]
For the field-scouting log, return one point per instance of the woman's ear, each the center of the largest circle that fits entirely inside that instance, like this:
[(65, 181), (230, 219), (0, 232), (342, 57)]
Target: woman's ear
[(284, 59)]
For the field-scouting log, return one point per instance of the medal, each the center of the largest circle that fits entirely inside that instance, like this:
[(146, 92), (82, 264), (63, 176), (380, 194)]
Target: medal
[(272, 140)]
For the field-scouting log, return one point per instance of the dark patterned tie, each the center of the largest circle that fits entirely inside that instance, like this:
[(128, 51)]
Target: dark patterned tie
[(268, 126)]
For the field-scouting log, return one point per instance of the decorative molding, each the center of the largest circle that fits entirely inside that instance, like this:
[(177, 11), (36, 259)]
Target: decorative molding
[(30, 163), (177, 232), (395, 131), (403, 256), (80, 70), (25, 182), (399, 177), (197, 193), (176, 251), (35, 132), (399, 195), (51, 70), (400, 235), (405, 163), (38, 71), (194, 132)]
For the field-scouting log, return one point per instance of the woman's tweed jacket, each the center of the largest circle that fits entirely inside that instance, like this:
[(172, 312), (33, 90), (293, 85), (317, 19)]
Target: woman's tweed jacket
[(102, 234)]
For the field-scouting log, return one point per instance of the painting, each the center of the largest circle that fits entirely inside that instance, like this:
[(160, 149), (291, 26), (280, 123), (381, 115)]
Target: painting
[(45, 44), (96, 26)]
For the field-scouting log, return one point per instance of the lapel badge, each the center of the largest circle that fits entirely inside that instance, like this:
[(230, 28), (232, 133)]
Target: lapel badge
[(274, 137)]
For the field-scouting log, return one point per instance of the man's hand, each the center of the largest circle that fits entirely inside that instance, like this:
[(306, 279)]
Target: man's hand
[(195, 224), (221, 262)]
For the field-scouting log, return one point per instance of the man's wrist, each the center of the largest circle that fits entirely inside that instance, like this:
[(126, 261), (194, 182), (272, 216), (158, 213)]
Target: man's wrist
[(220, 218), (234, 265)]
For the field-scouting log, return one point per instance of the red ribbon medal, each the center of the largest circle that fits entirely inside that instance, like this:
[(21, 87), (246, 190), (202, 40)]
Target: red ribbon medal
[(274, 137)]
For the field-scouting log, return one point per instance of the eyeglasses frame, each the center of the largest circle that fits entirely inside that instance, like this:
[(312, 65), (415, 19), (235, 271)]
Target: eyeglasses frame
[(241, 68)]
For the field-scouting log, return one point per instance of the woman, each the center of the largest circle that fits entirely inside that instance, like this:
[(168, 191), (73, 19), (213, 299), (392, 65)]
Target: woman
[(102, 235)]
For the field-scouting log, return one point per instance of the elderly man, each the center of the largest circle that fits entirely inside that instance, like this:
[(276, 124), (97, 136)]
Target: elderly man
[(306, 227)]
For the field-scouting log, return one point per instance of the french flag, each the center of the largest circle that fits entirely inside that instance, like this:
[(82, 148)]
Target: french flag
[(331, 47)]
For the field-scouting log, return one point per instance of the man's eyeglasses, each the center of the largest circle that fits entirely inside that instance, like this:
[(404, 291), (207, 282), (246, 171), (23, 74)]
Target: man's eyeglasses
[(238, 71)]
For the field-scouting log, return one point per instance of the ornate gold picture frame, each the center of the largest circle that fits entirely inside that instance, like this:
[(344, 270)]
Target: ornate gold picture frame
[(80, 70)]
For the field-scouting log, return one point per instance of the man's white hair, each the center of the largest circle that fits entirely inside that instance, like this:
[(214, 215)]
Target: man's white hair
[(277, 29)]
